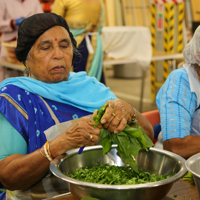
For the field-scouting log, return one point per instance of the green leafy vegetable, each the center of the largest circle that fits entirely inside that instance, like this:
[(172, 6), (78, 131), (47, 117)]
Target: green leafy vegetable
[(130, 141), (189, 177), (89, 198), (115, 175)]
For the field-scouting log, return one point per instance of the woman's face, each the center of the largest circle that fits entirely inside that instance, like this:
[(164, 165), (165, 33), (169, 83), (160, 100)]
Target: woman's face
[(50, 58)]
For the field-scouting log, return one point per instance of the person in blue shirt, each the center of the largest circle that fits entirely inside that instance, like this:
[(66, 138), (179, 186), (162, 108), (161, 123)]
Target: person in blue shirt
[(178, 102), (50, 96)]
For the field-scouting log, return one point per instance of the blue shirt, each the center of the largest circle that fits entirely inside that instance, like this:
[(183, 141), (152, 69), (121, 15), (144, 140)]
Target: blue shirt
[(176, 104)]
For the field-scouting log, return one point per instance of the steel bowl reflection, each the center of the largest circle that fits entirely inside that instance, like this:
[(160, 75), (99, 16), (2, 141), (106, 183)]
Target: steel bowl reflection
[(155, 161), (193, 166)]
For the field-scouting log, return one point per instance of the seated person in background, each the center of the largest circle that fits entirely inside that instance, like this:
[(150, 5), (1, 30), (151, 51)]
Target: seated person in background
[(85, 18), (178, 102), (47, 48), (12, 13)]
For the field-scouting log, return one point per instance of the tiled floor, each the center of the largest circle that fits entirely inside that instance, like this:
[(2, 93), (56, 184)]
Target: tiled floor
[(129, 89)]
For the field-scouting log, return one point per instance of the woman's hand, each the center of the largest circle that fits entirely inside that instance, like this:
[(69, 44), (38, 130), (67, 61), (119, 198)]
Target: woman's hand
[(117, 115), (80, 134)]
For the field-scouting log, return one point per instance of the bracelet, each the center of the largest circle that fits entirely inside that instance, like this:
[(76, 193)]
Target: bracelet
[(48, 150), (135, 117), (46, 153), (42, 153)]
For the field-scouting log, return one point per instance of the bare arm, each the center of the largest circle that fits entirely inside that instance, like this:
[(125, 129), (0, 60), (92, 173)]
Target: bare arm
[(145, 124), (20, 172), (185, 147)]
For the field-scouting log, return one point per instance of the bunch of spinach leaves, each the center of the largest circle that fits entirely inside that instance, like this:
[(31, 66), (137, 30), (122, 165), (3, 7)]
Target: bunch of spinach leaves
[(130, 141)]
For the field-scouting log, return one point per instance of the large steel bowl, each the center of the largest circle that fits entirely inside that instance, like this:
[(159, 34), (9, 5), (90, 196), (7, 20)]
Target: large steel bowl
[(193, 166), (155, 161)]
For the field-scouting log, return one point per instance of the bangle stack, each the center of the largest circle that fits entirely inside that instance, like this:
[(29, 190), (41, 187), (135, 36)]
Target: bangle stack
[(47, 152)]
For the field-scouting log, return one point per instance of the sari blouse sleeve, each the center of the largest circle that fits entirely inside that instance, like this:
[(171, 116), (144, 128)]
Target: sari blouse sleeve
[(11, 142)]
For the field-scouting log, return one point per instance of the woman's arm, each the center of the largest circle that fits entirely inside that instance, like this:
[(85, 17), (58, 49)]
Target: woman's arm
[(5, 24), (177, 105), (145, 124), (185, 147), (14, 163), (20, 172)]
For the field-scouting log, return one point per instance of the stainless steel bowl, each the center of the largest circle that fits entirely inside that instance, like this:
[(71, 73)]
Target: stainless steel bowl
[(193, 166), (155, 161)]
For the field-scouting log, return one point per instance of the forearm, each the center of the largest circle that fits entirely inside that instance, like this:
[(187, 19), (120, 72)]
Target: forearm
[(22, 171), (185, 147), (29, 169), (145, 125)]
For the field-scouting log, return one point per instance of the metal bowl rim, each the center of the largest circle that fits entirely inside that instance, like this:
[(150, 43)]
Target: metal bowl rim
[(191, 160), (54, 168)]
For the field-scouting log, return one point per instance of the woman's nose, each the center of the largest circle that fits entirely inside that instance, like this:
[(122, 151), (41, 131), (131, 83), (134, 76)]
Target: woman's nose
[(58, 52)]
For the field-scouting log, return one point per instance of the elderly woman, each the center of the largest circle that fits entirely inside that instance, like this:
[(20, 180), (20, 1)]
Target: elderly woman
[(47, 49), (178, 102)]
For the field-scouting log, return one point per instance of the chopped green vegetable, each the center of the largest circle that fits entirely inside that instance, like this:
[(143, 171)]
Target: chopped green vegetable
[(98, 117), (130, 141), (89, 198), (115, 175), (189, 177), (175, 195)]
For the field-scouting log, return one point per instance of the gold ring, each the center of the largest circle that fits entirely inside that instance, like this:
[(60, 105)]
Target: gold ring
[(113, 114), (91, 136), (117, 118)]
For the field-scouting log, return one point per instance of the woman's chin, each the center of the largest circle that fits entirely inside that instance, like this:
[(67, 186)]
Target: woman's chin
[(58, 80), (55, 79)]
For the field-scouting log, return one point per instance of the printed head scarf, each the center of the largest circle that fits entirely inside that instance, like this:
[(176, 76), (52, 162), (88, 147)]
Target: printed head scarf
[(191, 51), (33, 27)]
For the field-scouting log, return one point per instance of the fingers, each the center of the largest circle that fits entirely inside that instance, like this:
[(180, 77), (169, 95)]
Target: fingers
[(79, 139), (116, 125), (86, 127), (121, 126), (108, 112), (93, 138), (87, 123), (117, 115)]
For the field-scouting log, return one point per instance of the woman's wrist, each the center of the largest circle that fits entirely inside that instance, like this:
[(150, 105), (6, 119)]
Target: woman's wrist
[(45, 151), (134, 116)]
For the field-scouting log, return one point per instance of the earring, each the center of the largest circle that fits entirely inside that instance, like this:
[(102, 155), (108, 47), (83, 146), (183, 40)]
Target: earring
[(27, 71)]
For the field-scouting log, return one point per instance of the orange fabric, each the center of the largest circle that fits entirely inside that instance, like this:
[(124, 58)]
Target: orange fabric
[(154, 118)]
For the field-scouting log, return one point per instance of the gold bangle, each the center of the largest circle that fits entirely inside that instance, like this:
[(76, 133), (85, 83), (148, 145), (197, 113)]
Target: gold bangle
[(46, 153), (42, 153), (48, 150)]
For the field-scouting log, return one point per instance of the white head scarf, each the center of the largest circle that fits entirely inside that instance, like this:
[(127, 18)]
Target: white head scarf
[(191, 55), (191, 52)]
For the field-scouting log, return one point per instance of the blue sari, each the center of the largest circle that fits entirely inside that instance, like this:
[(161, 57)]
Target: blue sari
[(72, 99)]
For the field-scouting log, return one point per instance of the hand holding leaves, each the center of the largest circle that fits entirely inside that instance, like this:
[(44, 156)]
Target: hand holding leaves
[(130, 141)]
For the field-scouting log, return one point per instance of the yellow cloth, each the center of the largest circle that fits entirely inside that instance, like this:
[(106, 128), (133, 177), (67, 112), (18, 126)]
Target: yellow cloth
[(77, 13)]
